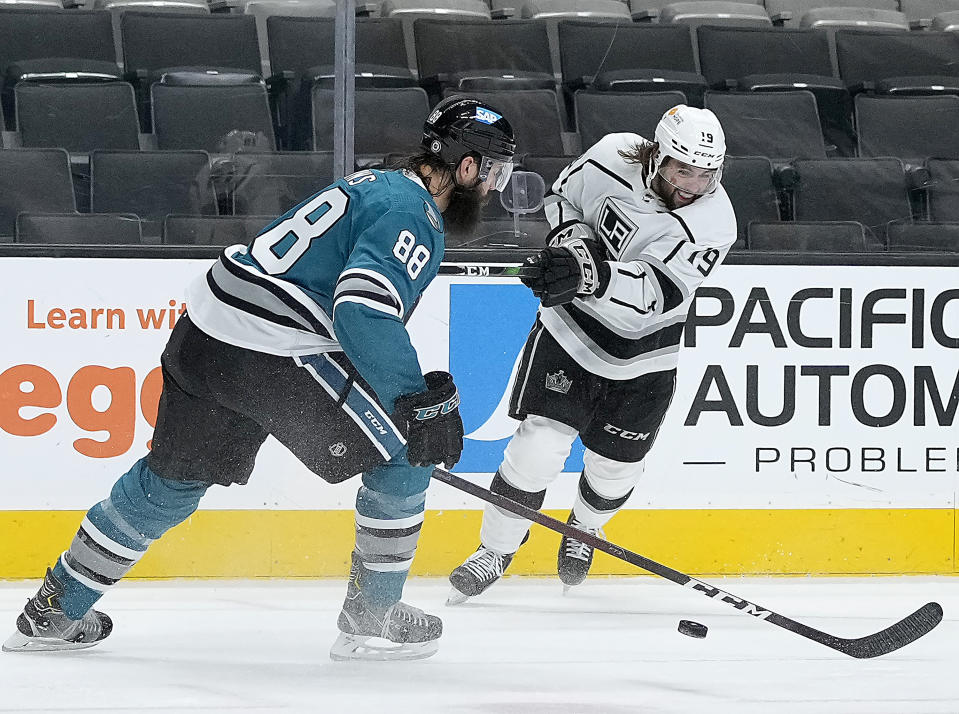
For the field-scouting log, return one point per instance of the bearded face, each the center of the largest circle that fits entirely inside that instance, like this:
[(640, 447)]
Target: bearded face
[(465, 209)]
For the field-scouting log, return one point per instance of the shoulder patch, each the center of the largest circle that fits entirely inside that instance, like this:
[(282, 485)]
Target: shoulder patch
[(433, 216)]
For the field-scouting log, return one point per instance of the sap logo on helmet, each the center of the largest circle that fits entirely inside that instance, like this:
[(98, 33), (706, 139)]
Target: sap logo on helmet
[(487, 116)]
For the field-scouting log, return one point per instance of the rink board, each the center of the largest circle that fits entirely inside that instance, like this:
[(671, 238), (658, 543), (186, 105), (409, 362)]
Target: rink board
[(812, 428)]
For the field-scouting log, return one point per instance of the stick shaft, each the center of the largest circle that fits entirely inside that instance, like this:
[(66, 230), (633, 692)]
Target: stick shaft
[(892, 638)]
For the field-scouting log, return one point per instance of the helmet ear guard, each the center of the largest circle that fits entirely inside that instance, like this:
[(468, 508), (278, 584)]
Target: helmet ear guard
[(694, 137)]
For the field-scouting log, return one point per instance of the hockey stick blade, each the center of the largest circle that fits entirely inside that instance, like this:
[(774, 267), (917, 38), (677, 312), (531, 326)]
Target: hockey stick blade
[(907, 630)]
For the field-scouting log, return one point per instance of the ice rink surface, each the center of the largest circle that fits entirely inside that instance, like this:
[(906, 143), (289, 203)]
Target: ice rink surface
[(610, 646)]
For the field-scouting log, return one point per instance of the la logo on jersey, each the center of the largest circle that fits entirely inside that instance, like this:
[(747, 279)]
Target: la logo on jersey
[(487, 116), (486, 338)]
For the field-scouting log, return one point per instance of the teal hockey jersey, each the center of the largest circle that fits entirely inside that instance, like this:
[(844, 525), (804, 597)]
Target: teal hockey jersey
[(340, 271)]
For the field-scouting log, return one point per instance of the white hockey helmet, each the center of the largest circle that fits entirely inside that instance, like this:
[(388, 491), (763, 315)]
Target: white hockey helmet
[(694, 137)]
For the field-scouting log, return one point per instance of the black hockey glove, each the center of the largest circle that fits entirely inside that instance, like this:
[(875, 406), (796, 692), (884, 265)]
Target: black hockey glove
[(432, 423), (572, 266)]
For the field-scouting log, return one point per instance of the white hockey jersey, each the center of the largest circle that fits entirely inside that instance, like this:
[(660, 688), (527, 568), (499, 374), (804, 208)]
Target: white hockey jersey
[(657, 259)]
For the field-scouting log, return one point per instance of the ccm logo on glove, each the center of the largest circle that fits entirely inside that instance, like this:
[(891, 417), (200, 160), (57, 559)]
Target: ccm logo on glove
[(432, 423)]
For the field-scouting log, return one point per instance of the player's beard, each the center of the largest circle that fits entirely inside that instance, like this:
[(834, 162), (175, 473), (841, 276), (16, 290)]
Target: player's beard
[(667, 192), (464, 210)]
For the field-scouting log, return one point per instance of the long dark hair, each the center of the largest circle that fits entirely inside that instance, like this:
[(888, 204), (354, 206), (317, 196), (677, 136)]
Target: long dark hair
[(416, 162), (640, 153)]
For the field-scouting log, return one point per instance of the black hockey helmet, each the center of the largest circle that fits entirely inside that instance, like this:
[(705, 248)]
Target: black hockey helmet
[(460, 125)]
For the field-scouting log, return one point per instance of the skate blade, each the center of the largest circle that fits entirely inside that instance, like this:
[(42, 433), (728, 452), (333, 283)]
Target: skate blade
[(455, 597), (363, 648), (19, 642)]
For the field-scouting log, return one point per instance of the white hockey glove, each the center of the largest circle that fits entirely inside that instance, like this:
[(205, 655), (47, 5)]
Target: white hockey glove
[(572, 266)]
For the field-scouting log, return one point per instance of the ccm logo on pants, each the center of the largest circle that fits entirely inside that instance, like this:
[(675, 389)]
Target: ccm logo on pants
[(625, 434)]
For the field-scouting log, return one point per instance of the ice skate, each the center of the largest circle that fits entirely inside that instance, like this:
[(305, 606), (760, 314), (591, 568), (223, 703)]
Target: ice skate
[(42, 626), (575, 557), (398, 632), (483, 568)]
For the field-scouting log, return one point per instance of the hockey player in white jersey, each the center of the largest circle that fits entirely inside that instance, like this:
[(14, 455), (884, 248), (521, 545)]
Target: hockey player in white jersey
[(637, 226)]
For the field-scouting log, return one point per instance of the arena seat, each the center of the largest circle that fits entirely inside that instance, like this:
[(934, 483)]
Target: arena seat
[(272, 183), (151, 184), (386, 120), (79, 229), (189, 116), (942, 189), (899, 62), (811, 236), (52, 41), (780, 125), (155, 43), (600, 113), (607, 10), (715, 12), (33, 181), (924, 237), (874, 192), (77, 117), (469, 56), (774, 60), (748, 181), (910, 128), (301, 56), (788, 13), (212, 230), (534, 115), (825, 18)]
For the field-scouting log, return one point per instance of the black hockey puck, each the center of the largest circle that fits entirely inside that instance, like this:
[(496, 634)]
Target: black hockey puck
[(693, 629)]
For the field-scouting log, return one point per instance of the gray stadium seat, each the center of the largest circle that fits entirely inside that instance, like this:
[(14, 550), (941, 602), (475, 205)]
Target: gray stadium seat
[(212, 230), (822, 18), (942, 189), (262, 10), (271, 183), (204, 117), (387, 120), (946, 22), (155, 43), (899, 62), (774, 60), (874, 192), (586, 9), (812, 236), (151, 184), (924, 237), (780, 125), (534, 115), (629, 58), (301, 56), (469, 56), (79, 229), (466, 9), (911, 128), (77, 117), (920, 13), (715, 12), (57, 40), (34, 181), (748, 182), (788, 13), (600, 113)]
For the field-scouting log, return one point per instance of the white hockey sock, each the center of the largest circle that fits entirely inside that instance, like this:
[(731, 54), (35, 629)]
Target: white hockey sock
[(502, 531)]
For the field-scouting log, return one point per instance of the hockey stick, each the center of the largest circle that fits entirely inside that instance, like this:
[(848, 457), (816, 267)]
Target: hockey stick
[(907, 630)]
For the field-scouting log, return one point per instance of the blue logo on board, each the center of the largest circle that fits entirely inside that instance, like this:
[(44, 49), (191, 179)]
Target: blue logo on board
[(488, 328)]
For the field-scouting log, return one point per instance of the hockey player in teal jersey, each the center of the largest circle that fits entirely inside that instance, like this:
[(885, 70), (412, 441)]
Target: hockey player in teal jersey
[(301, 335)]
